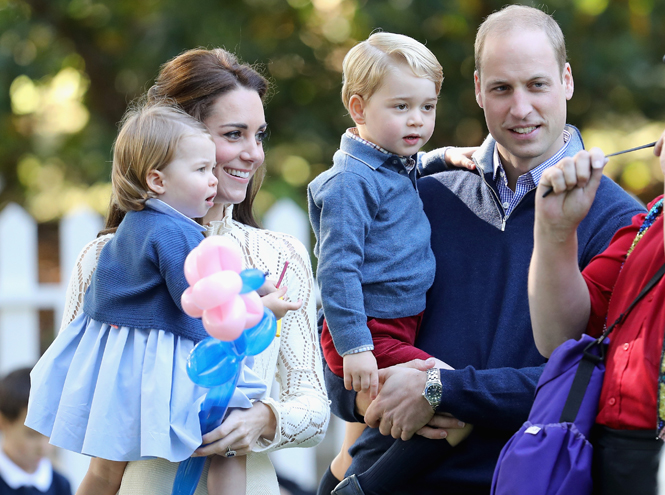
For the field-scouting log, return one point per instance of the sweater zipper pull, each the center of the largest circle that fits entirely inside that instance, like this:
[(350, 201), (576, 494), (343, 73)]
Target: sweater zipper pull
[(503, 224)]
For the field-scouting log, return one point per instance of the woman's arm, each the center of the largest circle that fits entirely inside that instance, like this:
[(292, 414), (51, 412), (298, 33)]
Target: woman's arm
[(302, 411), (80, 279)]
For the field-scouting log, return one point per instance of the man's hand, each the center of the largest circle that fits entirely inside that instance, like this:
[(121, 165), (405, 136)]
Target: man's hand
[(400, 409), (574, 182)]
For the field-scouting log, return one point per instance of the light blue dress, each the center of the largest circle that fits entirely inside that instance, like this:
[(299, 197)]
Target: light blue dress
[(123, 393)]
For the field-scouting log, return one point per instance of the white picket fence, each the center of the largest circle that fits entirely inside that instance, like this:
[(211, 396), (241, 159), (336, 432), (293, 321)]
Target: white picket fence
[(22, 296)]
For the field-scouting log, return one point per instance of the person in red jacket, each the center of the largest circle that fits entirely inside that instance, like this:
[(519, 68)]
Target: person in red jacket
[(629, 425)]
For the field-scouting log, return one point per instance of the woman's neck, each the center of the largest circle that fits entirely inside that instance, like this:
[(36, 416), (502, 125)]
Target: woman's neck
[(215, 213)]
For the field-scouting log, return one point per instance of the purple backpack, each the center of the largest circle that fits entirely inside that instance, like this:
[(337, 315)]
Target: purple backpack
[(550, 454)]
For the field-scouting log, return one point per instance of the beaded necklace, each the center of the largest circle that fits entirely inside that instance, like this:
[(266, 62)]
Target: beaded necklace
[(651, 217)]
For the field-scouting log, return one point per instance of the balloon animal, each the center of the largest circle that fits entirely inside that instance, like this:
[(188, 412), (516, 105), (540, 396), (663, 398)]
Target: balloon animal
[(226, 299)]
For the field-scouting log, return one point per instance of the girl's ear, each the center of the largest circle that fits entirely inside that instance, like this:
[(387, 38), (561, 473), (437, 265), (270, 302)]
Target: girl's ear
[(155, 181), (357, 109)]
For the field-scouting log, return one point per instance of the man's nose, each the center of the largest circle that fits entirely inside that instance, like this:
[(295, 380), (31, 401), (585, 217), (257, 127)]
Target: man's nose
[(521, 105)]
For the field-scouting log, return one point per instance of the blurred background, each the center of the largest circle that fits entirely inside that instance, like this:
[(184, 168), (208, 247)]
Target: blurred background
[(68, 68)]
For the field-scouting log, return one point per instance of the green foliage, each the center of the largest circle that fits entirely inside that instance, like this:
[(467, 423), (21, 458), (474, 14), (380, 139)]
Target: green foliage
[(54, 144)]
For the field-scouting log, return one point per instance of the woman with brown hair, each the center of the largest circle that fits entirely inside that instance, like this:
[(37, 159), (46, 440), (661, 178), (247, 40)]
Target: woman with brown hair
[(227, 97)]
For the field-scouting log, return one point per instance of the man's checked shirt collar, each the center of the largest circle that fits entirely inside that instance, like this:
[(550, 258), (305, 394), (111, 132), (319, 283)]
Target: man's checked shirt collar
[(525, 182)]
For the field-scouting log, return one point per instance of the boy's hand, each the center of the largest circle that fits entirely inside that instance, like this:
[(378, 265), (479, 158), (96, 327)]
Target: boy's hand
[(361, 373), (460, 157), (274, 302)]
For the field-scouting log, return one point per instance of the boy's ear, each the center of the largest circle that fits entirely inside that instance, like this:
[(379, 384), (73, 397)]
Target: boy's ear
[(155, 181), (357, 109)]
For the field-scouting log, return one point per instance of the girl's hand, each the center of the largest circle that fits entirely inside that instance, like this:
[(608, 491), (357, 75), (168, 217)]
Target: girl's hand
[(460, 157), (274, 303), (239, 431)]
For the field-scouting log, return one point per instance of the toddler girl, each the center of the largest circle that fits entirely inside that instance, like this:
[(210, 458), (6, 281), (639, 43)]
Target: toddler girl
[(114, 384)]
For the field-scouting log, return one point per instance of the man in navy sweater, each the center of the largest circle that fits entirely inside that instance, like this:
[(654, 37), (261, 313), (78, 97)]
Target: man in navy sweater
[(477, 316)]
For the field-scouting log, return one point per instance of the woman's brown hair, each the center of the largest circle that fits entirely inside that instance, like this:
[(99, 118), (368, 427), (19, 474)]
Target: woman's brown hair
[(194, 80)]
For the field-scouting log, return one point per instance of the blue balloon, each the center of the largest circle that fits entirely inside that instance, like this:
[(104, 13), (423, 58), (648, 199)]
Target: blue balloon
[(217, 365), (188, 475), (216, 402), (252, 279), (213, 362), (259, 337)]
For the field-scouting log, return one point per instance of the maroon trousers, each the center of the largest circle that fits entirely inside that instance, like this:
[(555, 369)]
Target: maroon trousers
[(393, 342)]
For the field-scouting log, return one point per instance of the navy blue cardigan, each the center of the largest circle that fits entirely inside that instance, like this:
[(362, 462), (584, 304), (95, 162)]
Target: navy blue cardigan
[(140, 274), (477, 316)]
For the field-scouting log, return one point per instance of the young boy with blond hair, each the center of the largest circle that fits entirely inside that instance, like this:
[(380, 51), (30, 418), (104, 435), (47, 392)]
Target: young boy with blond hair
[(373, 238)]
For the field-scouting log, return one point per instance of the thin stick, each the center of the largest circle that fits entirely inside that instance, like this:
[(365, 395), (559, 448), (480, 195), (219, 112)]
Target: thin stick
[(650, 145), (281, 277)]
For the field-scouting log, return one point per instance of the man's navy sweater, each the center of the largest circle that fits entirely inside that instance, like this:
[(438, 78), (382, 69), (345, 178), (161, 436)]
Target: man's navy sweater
[(477, 316)]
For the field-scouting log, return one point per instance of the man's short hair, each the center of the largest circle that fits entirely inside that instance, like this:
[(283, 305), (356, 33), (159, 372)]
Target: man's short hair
[(521, 17), (366, 64), (14, 393)]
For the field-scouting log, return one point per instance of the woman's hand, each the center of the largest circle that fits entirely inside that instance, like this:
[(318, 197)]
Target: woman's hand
[(240, 431), (271, 297)]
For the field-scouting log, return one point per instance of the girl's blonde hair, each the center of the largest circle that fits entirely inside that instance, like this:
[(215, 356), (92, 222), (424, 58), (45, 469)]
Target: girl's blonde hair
[(366, 64), (148, 139)]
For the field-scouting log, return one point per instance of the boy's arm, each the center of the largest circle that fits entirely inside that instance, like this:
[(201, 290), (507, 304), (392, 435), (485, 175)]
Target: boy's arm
[(444, 158), (346, 205)]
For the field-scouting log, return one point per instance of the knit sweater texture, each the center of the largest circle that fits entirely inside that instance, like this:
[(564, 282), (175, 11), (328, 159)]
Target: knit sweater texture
[(140, 276), (372, 242)]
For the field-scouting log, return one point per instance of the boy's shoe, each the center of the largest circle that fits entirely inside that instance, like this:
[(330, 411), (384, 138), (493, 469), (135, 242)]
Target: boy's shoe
[(348, 486)]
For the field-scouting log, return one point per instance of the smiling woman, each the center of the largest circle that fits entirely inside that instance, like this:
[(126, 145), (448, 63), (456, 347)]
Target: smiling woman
[(227, 97)]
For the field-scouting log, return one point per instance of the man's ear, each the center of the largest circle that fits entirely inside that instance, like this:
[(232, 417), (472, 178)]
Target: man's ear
[(357, 109), (476, 84), (155, 181), (568, 83)]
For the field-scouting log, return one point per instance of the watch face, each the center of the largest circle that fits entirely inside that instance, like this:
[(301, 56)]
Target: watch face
[(433, 393)]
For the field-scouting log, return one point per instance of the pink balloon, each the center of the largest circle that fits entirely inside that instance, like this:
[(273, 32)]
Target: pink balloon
[(191, 270), (188, 306), (254, 308), (218, 288), (218, 253), (227, 321)]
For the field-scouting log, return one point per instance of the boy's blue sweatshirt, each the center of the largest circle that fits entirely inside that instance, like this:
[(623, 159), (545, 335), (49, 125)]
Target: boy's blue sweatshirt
[(372, 242)]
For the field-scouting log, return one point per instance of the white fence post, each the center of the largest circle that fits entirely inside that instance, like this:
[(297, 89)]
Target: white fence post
[(287, 217), (19, 322)]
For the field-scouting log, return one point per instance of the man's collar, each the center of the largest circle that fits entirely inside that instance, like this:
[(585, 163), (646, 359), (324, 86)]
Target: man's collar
[(538, 170), (483, 157), (15, 477)]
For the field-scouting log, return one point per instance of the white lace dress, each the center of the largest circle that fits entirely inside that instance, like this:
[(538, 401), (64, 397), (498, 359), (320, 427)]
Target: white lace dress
[(293, 359)]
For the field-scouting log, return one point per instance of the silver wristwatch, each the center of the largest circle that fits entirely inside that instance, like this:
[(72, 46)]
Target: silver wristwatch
[(433, 390)]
